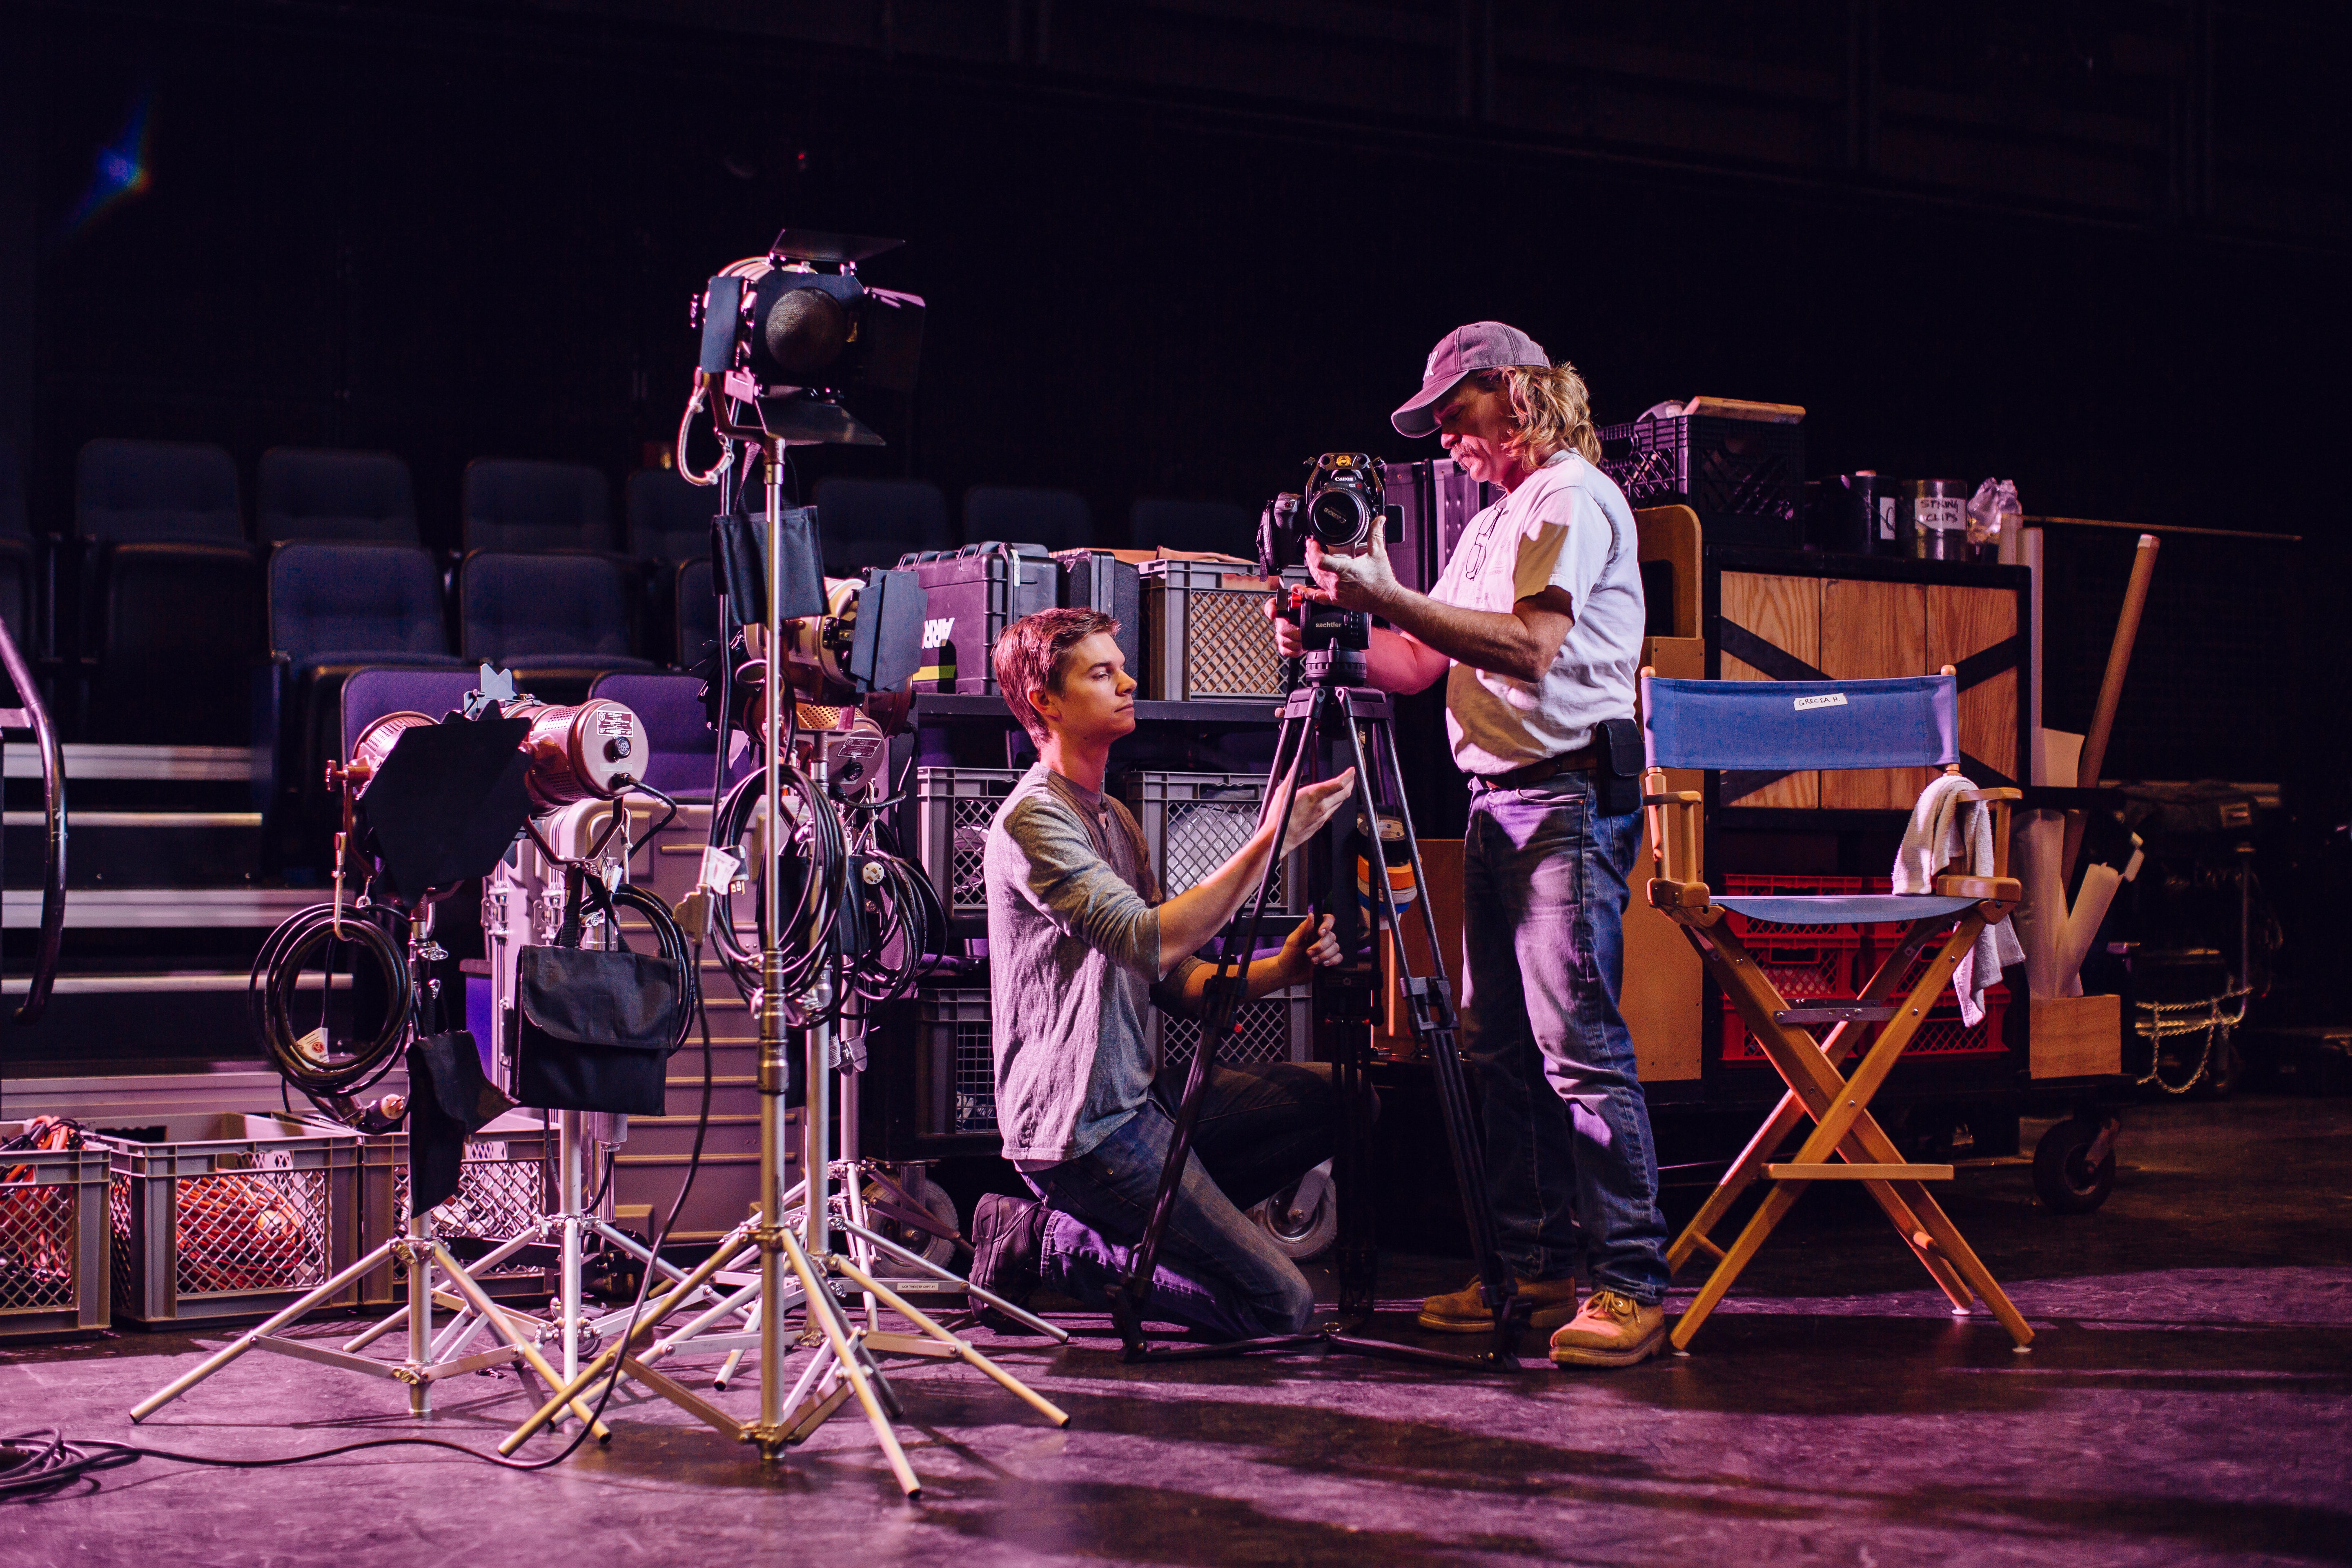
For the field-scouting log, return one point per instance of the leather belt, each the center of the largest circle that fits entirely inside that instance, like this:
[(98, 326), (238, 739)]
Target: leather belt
[(1585, 759)]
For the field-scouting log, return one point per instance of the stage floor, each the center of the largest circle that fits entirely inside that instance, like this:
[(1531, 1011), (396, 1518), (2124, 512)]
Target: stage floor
[(2185, 1401)]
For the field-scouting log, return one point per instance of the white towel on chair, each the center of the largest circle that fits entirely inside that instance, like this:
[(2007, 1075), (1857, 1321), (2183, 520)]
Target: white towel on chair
[(1946, 830)]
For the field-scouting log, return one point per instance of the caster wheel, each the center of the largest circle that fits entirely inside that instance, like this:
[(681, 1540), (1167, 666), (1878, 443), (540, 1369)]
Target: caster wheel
[(1304, 1219), (2063, 1177)]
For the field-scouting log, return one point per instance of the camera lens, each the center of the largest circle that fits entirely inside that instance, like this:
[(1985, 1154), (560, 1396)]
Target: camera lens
[(1337, 517)]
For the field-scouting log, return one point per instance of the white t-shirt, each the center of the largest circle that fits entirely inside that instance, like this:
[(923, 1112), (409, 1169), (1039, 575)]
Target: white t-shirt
[(1566, 526)]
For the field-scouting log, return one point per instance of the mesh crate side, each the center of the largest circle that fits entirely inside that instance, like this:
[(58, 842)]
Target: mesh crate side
[(953, 807), (1274, 1028), (959, 1038)]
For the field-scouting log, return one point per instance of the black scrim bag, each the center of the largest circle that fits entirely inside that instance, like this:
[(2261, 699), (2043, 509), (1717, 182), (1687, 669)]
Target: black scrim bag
[(593, 1030)]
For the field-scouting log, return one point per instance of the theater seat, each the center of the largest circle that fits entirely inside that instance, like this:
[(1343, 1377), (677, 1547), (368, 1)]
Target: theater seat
[(669, 525), (557, 621), (335, 609), (1192, 526), (307, 493), (514, 504), (1058, 520), (170, 594), (873, 523), (696, 613), (19, 558)]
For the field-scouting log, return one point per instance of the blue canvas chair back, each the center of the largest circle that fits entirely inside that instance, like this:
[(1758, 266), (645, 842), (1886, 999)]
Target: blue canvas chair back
[(1911, 721)]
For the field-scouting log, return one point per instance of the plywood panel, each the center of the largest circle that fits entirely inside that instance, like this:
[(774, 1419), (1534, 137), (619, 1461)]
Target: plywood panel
[(1964, 621), (1440, 862), (1661, 1001), (1787, 612), (1871, 631)]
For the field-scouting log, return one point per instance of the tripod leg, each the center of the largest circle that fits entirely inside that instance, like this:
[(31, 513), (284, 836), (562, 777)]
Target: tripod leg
[(823, 1307), (246, 1341), (964, 1352), (1292, 753), (514, 1337)]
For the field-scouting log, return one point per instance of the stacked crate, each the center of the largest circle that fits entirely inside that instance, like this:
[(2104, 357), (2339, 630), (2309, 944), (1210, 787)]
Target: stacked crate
[(53, 1239), (1819, 963)]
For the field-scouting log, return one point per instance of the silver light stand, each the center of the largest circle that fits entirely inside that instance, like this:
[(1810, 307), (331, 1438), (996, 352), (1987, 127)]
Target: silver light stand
[(428, 1359), (844, 1366)]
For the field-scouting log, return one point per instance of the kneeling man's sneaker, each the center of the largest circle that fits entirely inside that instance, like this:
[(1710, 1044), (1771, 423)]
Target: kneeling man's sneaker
[(1613, 1330), (1550, 1303), (1006, 1236)]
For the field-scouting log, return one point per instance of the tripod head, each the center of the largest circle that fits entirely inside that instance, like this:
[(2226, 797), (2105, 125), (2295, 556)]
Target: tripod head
[(1335, 641)]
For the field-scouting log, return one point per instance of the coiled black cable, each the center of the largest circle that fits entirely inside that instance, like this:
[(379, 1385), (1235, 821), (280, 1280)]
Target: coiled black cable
[(271, 985), (812, 851)]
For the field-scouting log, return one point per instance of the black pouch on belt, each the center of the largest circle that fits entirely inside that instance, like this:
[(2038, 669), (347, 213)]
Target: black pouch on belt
[(593, 1030), (1617, 780)]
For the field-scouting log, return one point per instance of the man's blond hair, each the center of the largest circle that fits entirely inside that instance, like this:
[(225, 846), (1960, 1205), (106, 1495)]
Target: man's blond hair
[(1552, 409)]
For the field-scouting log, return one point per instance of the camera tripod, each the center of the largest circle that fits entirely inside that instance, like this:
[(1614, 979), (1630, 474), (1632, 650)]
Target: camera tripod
[(844, 1366), (429, 1357), (1334, 709)]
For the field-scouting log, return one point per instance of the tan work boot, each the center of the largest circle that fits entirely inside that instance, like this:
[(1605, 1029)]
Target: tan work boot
[(1613, 1330), (1550, 1303)]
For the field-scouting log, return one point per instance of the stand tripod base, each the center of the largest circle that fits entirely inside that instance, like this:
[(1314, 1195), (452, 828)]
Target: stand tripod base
[(428, 1360), (1329, 1342)]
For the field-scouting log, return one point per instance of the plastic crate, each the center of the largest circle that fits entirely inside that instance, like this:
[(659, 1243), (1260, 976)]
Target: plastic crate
[(53, 1240), (1206, 635), (1276, 1027), (506, 1183), (1195, 823), (1721, 468), (953, 807), (1941, 1035), (955, 1069), (230, 1217)]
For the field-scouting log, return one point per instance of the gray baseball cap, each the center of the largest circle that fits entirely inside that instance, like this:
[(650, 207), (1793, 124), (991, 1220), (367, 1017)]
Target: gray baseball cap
[(1481, 346)]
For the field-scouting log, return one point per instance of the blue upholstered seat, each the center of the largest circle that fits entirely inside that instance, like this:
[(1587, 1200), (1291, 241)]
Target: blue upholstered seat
[(677, 728), (513, 504), (557, 621), (315, 493), (874, 522), (1845, 909), (1058, 520)]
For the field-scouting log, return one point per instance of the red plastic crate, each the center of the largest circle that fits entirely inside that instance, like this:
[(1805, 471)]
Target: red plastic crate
[(1942, 1037)]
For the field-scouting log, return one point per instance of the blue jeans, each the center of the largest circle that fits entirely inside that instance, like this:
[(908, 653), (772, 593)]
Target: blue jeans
[(1261, 1129), (1570, 1164)]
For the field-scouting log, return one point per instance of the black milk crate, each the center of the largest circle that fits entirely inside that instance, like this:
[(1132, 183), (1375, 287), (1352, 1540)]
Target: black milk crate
[(970, 597), (1745, 478), (929, 1090), (1195, 823), (1205, 632), (53, 1239), (231, 1218), (1097, 580), (1276, 1027), (505, 1184), (1437, 500), (953, 807)]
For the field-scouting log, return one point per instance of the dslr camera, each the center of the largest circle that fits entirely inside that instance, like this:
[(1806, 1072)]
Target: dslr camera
[(1344, 501)]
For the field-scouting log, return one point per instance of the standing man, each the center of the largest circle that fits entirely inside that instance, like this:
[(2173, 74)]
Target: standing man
[(1536, 625), (1079, 942)]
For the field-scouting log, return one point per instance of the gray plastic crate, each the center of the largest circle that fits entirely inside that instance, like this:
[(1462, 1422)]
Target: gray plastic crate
[(505, 1184), (955, 1071), (1193, 823), (1277, 1027), (53, 1244), (1205, 633), (953, 807), (231, 1216)]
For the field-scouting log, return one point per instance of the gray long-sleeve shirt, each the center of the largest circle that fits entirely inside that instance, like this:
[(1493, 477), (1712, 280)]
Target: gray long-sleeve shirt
[(1072, 960)]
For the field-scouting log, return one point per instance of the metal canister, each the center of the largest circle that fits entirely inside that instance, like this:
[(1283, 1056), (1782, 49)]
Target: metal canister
[(592, 751), (1857, 514), (1933, 516)]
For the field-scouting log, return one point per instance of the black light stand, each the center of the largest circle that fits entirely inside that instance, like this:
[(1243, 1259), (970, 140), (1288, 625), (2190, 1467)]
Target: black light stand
[(1334, 708)]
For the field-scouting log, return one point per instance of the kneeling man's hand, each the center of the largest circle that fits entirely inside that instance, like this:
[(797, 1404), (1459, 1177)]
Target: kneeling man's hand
[(1317, 805), (1310, 947)]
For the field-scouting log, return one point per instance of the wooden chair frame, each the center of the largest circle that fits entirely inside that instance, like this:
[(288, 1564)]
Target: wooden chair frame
[(1837, 1104)]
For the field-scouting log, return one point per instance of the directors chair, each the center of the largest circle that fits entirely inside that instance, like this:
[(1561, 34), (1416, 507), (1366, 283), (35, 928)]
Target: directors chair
[(1777, 725)]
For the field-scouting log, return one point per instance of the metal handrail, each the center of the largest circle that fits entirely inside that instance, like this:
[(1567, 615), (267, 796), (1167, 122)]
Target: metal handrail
[(35, 716)]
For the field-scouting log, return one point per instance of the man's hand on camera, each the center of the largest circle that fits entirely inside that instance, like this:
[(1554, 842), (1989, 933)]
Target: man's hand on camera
[(1359, 581), (1317, 805), (1309, 948)]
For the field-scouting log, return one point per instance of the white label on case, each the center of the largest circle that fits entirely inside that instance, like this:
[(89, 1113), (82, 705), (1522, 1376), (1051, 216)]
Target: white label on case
[(1832, 700)]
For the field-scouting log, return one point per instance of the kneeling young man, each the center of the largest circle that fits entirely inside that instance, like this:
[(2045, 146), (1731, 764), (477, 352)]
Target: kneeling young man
[(1080, 941)]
